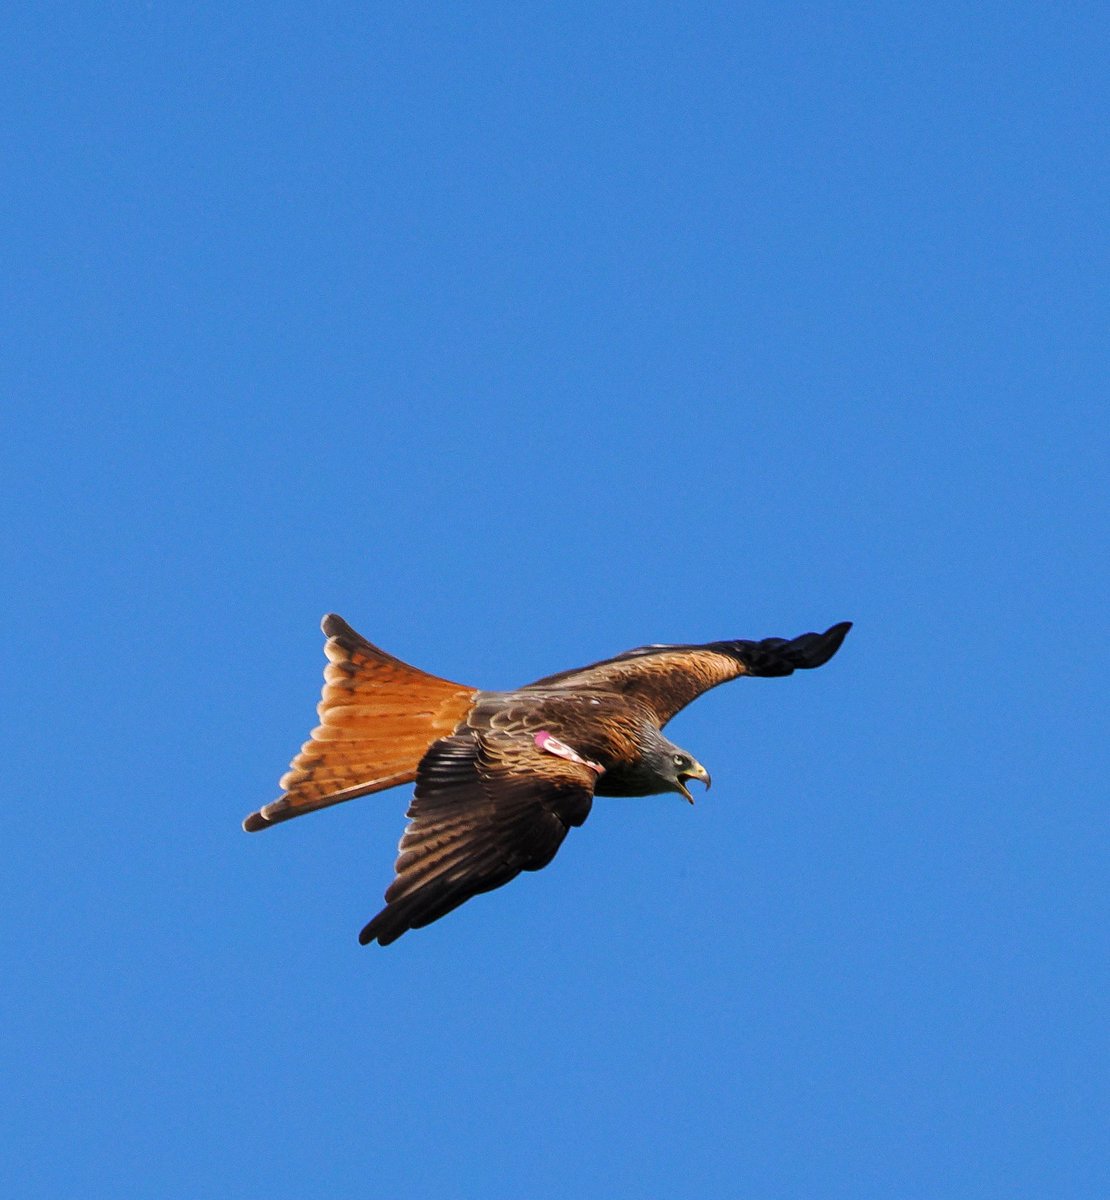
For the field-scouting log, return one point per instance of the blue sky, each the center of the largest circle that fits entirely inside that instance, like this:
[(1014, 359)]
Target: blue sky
[(520, 335)]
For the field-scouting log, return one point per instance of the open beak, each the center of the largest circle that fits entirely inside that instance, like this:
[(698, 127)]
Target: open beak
[(696, 771)]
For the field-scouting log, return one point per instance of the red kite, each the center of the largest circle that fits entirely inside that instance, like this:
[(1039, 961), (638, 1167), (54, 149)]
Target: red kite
[(501, 776)]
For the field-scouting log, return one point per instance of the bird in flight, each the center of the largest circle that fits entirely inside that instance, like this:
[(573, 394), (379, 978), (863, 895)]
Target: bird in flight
[(502, 776)]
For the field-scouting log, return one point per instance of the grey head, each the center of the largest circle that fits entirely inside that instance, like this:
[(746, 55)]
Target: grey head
[(661, 767)]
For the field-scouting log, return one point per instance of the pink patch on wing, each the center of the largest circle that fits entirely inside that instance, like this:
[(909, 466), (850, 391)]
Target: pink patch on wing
[(552, 745)]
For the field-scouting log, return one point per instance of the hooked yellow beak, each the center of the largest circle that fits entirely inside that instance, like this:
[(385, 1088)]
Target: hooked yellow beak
[(694, 771)]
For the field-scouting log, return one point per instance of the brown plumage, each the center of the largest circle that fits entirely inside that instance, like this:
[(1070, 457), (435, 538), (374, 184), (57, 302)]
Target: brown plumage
[(502, 776)]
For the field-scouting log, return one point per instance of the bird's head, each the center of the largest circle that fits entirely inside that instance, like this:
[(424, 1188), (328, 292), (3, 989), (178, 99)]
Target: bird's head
[(675, 766)]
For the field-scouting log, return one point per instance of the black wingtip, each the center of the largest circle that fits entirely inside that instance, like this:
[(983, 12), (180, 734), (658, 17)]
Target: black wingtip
[(811, 650), (383, 929), (832, 639), (776, 656)]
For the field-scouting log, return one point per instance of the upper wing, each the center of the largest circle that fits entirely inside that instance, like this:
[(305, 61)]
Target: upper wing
[(487, 806), (666, 678), (378, 716)]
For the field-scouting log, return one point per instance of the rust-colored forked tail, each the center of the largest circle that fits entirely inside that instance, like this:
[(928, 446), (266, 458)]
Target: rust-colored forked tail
[(378, 716)]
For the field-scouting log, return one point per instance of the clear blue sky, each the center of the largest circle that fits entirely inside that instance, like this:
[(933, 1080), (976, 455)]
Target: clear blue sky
[(520, 335)]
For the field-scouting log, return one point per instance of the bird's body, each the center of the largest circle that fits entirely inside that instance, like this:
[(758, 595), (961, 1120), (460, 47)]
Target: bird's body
[(501, 776), (602, 728)]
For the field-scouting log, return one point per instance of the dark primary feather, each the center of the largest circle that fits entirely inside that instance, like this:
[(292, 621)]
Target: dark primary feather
[(778, 656)]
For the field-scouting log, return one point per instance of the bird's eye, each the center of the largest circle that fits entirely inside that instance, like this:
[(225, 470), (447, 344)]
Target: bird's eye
[(680, 760)]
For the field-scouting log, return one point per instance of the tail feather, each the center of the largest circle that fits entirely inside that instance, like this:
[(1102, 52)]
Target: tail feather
[(378, 716)]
